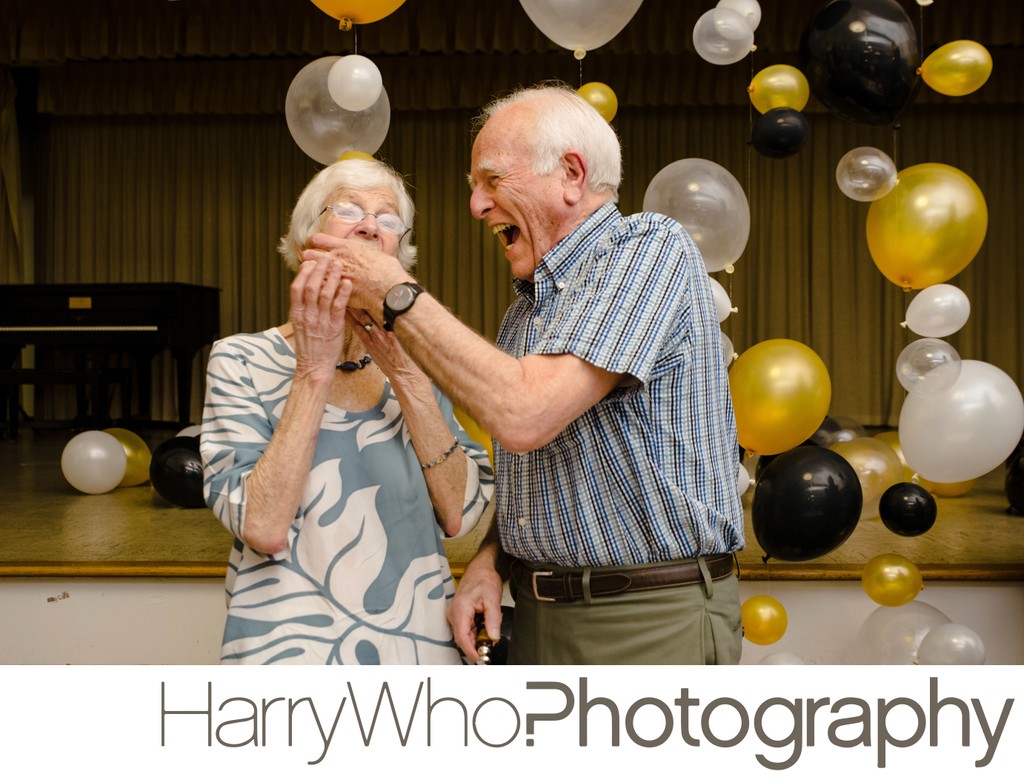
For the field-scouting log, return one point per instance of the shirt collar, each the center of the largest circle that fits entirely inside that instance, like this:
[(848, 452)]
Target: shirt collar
[(560, 261)]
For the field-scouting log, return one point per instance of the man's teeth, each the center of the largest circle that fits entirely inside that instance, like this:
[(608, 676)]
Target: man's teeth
[(506, 232)]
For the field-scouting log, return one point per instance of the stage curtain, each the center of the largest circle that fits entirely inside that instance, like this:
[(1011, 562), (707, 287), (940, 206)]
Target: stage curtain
[(11, 259), (162, 169)]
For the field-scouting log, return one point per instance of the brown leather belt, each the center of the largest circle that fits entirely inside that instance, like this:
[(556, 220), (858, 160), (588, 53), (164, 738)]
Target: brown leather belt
[(565, 586)]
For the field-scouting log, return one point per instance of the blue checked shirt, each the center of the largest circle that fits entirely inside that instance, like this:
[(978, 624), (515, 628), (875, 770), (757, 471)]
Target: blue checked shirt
[(649, 473)]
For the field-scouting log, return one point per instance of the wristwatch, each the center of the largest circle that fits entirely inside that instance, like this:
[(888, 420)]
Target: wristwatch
[(399, 300)]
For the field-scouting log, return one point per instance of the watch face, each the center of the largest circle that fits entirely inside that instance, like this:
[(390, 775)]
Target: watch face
[(400, 297)]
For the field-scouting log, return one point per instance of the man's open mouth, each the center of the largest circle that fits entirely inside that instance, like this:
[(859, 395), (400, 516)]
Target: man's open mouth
[(507, 233)]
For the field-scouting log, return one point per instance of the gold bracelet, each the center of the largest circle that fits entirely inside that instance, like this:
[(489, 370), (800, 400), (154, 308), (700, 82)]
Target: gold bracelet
[(441, 457)]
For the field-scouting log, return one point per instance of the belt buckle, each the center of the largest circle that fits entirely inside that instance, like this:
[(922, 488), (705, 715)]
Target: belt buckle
[(533, 581)]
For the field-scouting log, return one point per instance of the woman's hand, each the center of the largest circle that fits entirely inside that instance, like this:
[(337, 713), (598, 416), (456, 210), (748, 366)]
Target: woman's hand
[(319, 299), (371, 271), (386, 350)]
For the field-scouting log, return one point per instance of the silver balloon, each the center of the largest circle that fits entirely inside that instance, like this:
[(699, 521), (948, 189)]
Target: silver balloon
[(728, 350), (951, 644), (709, 202), (938, 311), (965, 432), (748, 9), (94, 462), (354, 82), (866, 174), (781, 658), (918, 364), (891, 635), (742, 479), (723, 305), (322, 128), (723, 36), (580, 24)]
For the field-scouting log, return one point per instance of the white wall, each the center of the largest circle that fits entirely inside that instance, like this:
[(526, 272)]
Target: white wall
[(179, 621)]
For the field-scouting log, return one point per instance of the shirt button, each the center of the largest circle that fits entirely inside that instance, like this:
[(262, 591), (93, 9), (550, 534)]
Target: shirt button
[(560, 285), (521, 521)]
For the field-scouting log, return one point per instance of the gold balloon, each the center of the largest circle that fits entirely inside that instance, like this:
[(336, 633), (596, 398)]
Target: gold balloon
[(476, 432), (358, 11), (356, 155), (137, 470), (892, 439), (891, 580), (781, 393), (764, 619), (877, 467), (601, 97), (958, 68), (929, 227), (955, 489), (779, 86)]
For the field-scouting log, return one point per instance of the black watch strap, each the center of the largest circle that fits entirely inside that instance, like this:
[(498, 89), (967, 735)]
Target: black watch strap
[(399, 300)]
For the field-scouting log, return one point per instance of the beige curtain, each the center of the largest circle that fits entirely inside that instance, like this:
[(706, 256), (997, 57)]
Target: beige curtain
[(11, 258), (175, 199), (184, 170)]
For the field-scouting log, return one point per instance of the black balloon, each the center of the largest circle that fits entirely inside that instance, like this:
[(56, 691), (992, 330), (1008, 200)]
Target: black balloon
[(176, 472), (861, 59), (806, 503), (907, 509), (780, 132), (1015, 483), (1017, 452)]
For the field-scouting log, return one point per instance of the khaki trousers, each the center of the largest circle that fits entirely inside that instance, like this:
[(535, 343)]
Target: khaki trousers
[(694, 624)]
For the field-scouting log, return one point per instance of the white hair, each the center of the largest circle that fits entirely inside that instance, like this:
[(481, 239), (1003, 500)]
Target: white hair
[(354, 175), (567, 122)]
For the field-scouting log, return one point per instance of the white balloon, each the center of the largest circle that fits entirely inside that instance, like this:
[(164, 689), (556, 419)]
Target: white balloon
[(94, 462), (709, 202), (742, 479), (580, 24), (748, 9), (918, 366), (781, 658), (866, 174), (938, 311), (322, 128), (951, 644), (190, 430), (723, 36), (354, 82), (728, 351), (891, 635), (965, 432), (722, 303)]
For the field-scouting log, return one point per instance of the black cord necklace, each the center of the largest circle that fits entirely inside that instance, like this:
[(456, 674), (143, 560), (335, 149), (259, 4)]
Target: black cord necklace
[(351, 365)]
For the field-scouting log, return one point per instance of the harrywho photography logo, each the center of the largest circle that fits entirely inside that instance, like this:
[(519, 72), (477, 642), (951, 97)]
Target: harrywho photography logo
[(431, 716)]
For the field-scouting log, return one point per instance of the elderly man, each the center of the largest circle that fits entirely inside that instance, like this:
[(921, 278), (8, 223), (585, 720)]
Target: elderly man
[(617, 513)]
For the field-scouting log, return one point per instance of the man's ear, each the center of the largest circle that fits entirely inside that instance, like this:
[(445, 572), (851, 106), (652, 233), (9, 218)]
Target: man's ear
[(574, 169)]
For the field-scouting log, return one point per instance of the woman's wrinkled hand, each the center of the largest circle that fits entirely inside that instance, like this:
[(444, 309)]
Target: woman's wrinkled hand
[(319, 299)]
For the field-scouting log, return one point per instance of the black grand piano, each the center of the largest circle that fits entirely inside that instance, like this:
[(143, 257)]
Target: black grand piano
[(137, 319)]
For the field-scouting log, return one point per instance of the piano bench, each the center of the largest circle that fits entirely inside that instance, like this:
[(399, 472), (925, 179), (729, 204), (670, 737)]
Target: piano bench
[(96, 379)]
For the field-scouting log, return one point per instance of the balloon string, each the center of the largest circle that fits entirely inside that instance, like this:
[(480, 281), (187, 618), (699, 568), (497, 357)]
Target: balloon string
[(581, 72), (920, 29)]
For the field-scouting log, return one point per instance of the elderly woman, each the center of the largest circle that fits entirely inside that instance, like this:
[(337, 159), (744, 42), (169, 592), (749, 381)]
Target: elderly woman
[(334, 462)]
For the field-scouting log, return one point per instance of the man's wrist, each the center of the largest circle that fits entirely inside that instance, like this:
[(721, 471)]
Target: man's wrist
[(398, 300)]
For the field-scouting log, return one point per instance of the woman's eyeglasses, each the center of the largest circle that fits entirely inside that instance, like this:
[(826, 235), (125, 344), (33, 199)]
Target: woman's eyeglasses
[(350, 213)]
